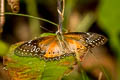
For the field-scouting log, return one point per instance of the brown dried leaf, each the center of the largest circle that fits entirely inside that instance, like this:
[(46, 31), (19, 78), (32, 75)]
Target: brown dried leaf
[(14, 5)]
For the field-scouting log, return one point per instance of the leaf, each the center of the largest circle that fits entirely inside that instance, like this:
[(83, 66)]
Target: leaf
[(46, 34), (109, 17), (3, 48), (32, 68)]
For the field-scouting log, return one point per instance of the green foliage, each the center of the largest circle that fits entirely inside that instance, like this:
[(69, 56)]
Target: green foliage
[(3, 48), (70, 4), (109, 19), (27, 68), (77, 76)]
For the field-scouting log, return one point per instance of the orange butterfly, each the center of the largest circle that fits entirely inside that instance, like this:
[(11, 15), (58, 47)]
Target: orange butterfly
[(58, 46)]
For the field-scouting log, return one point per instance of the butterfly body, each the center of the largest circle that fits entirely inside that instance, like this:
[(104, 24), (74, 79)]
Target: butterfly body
[(55, 48)]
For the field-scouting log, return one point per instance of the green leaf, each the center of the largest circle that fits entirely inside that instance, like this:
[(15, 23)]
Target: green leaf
[(77, 75), (32, 68), (109, 19), (109, 14), (46, 34), (3, 48)]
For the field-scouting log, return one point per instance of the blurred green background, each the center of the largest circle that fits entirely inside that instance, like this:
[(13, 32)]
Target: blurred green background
[(99, 16)]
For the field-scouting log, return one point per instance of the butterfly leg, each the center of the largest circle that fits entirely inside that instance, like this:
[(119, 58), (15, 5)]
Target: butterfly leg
[(80, 53)]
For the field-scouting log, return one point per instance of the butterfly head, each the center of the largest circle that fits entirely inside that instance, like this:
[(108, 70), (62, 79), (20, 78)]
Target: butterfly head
[(94, 39)]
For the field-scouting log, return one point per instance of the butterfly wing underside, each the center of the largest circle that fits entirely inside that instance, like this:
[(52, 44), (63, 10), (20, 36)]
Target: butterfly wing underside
[(45, 47), (35, 47)]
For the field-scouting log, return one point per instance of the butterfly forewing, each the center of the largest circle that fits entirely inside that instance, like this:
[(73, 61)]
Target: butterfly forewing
[(35, 47), (91, 39)]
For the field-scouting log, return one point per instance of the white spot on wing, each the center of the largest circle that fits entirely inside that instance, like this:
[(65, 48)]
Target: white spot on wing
[(29, 41)]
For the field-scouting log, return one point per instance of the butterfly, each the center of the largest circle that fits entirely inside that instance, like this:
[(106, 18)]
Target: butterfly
[(56, 47)]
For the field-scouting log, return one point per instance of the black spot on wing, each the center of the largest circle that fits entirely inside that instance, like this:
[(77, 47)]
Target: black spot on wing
[(32, 48), (29, 48)]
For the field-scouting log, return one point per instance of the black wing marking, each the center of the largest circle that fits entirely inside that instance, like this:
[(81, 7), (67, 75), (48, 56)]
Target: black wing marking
[(33, 47)]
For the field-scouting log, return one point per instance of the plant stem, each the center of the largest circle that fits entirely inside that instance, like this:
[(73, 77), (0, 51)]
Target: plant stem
[(33, 17), (2, 18), (60, 10)]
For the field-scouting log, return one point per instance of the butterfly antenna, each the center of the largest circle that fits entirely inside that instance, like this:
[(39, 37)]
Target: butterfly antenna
[(60, 10), (46, 29)]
